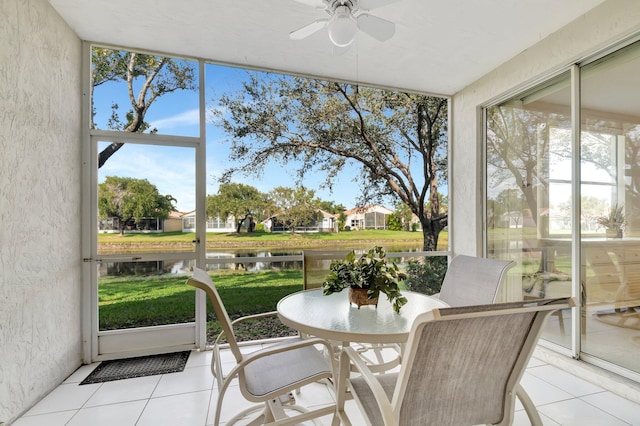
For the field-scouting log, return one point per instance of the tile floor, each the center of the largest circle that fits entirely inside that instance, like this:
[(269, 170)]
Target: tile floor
[(189, 399)]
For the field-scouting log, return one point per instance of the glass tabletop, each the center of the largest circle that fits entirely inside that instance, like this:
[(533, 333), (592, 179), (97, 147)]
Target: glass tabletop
[(333, 317)]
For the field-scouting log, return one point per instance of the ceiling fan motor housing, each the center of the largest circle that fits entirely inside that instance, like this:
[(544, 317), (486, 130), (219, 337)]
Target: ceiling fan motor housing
[(342, 27)]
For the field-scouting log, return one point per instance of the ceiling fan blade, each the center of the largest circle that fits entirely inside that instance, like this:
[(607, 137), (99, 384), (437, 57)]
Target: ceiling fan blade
[(378, 28), (374, 4), (319, 4), (309, 29)]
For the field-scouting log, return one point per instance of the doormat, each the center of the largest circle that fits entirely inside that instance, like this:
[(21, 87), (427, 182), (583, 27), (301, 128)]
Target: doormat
[(142, 366), (626, 318)]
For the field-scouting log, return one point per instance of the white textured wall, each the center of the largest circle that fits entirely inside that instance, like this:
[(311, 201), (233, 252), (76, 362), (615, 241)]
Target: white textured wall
[(608, 23), (40, 160)]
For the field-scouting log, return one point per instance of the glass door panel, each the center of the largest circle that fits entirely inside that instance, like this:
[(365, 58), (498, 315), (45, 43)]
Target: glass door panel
[(610, 142), (529, 206)]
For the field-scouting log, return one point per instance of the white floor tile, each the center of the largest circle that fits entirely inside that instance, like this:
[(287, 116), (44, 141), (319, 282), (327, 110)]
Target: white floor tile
[(520, 418), (535, 362), (616, 406), (189, 380), (575, 412), (572, 384), (232, 403), (50, 419), (311, 396), (65, 397), (189, 399), (81, 373), (199, 359), (540, 391), (314, 394), (188, 409), (123, 414), (124, 390)]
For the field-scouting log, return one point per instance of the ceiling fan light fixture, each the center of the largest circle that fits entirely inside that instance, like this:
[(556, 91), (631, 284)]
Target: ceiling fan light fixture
[(342, 28)]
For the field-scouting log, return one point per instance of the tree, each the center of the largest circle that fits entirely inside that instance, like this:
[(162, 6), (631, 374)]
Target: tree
[(342, 221), (130, 198), (403, 214), (155, 75), (295, 207), (238, 200), (398, 139), (332, 207), (517, 140), (509, 205), (394, 222)]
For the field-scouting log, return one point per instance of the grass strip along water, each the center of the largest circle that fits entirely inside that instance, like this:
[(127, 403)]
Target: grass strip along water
[(156, 300)]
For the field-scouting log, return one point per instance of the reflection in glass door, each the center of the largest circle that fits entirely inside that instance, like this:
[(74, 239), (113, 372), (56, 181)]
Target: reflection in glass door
[(145, 248), (529, 205), (610, 145)]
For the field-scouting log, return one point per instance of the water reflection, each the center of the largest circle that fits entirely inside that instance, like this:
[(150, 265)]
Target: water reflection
[(264, 260)]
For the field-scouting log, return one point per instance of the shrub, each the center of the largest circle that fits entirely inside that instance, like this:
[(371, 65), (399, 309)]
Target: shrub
[(426, 276)]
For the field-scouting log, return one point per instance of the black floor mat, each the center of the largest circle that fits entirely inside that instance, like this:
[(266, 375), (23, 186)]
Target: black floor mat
[(138, 367)]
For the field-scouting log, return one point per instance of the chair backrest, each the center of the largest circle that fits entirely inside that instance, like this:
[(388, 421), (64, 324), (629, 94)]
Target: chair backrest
[(605, 272), (629, 262), (315, 265), (462, 364), (473, 280), (201, 279)]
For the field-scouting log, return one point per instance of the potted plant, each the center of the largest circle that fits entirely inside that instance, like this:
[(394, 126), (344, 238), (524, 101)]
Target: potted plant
[(613, 222), (366, 277)]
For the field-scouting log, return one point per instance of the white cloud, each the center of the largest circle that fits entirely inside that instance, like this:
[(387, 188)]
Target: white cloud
[(170, 169), (187, 118)]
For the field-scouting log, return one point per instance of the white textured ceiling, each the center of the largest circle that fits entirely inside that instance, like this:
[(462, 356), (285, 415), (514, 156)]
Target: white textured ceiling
[(440, 46)]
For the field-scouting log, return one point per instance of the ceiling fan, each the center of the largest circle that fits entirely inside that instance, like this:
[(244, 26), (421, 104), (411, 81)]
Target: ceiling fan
[(346, 18)]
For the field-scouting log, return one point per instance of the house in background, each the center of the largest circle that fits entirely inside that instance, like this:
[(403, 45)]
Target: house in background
[(373, 216), (214, 224), (328, 223), (174, 222)]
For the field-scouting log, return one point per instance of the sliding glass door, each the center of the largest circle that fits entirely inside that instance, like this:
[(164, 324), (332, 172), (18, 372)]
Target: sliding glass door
[(529, 209), (610, 158), (551, 195)]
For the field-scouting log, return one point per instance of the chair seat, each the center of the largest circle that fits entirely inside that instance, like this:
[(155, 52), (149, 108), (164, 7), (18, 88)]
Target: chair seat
[(285, 371), (269, 375)]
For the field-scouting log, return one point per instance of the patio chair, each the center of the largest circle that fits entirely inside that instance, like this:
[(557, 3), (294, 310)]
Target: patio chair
[(473, 280), (628, 293), (462, 366), (315, 265), (269, 375)]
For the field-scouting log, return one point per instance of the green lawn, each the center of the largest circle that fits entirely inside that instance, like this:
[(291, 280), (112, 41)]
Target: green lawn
[(260, 236), (155, 300)]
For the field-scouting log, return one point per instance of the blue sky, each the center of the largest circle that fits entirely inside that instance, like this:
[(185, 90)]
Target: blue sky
[(172, 170)]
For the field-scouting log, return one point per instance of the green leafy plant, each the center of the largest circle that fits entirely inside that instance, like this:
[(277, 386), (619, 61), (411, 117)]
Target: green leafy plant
[(371, 271), (615, 220)]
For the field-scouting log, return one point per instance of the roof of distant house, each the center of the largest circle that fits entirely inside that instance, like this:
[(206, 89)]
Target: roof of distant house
[(365, 209)]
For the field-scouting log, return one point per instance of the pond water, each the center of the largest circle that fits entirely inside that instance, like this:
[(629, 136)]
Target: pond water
[(265, 259)]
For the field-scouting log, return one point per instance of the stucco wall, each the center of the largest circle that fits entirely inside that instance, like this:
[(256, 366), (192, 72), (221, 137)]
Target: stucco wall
[(40, 160), (603, 26)]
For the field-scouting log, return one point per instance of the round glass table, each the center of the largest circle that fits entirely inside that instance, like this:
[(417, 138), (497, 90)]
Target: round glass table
[(332, 317)]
